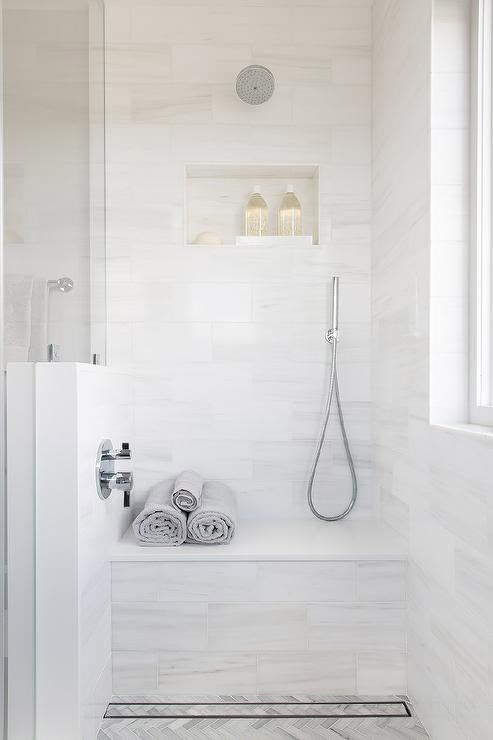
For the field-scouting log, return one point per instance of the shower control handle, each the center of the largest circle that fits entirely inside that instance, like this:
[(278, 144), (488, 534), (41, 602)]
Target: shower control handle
[(117, 481), (124, 454)]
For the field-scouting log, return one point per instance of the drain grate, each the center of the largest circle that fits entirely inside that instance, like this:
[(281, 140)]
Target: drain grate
[(257, 710)]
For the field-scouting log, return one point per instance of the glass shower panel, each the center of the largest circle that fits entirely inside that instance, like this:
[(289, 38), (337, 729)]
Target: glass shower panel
[(54, 236)]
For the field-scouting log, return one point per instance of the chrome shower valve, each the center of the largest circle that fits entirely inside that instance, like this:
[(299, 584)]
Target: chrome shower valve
[(107, 478)]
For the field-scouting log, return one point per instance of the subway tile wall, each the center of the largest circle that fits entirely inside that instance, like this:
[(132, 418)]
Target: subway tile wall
[(259, 627), (226, 345)]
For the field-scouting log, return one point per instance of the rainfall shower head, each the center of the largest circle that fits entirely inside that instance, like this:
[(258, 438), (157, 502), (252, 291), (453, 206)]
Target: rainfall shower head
[(255, 84), (63, 284)]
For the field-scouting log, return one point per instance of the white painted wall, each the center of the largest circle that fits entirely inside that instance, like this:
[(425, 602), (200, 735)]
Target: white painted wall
[(434, 482), (226, 345)]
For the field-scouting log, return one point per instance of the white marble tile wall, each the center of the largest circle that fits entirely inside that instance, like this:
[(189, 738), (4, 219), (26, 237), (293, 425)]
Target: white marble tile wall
[(434, 483), (259, 627), (226, 345)]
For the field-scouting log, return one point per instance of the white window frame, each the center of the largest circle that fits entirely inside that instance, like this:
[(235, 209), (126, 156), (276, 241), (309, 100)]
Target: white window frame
[(481, 262)]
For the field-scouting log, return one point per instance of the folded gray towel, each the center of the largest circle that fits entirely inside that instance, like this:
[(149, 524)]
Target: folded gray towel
[(214, 520), (160, 523), (187, 490)]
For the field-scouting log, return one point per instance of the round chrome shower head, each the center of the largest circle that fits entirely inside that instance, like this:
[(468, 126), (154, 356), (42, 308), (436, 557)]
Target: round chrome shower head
[(255, 84)]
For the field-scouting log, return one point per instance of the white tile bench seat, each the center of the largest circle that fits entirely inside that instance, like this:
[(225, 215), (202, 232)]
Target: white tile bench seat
[(287, 607)]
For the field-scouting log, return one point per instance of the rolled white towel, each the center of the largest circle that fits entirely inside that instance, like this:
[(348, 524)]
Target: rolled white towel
[(160, 523), (187, 490), (214, 521)]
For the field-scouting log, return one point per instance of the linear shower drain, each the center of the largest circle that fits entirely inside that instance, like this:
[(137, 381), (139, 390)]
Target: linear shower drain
[(257, 710)]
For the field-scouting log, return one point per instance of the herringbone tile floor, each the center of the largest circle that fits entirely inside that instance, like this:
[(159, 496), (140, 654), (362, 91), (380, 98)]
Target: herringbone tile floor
[(139, 718)]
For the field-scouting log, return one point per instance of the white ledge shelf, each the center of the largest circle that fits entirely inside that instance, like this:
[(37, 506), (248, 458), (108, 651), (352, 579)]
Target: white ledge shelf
[(275, 241), (280, 539), (265, 243)]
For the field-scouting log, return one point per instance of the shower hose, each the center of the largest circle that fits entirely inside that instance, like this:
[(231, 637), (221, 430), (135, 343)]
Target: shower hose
[(333, 337)]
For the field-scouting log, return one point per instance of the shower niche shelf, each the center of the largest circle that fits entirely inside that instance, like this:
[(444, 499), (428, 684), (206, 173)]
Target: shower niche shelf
[(216, 196)]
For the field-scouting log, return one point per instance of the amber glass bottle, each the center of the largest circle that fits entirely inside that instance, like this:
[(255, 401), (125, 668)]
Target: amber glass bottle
[(256, 215), (289, 216)]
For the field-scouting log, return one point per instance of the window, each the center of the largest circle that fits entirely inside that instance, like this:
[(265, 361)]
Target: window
[(481, 287)]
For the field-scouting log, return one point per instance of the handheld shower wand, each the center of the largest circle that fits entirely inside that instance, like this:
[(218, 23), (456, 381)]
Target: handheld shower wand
[(333, 333), (332, 336)]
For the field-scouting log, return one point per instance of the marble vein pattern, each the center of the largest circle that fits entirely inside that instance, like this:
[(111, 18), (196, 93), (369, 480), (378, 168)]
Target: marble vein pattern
[(259, 627), (434, 480), (349, 720), (226, 346)]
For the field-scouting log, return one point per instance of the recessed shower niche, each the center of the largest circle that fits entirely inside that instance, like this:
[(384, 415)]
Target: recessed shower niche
[(216, 197)]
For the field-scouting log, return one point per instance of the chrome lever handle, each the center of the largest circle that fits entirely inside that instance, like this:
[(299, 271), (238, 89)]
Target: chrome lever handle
[(124, 454), (117, 481)]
